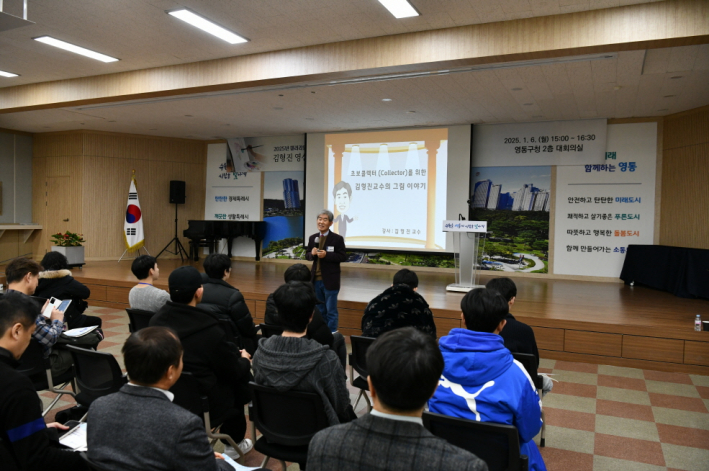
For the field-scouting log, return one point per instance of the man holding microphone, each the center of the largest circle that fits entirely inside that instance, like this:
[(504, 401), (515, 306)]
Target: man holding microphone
[(327, 250)]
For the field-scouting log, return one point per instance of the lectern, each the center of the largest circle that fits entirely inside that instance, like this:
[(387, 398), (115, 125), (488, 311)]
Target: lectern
[(466, 240)]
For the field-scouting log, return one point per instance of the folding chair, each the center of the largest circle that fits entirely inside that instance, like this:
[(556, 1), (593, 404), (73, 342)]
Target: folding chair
[(97, 374), (358, 363), (268, 330), (495, 444), (39, 370), (529, 362), (187, 395), (139, 319), (287, 421)]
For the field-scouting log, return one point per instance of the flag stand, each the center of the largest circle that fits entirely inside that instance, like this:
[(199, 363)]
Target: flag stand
[(136, 256), (179, 248)]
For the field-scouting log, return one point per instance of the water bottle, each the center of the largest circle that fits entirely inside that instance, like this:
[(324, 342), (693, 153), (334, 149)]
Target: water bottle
[(698, 323)]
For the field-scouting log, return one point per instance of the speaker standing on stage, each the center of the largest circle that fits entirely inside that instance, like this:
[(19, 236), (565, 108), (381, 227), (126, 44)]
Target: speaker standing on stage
[(327, 250)]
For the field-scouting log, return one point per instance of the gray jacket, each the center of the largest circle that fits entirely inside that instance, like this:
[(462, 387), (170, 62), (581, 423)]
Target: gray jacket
[(301, 364), (377, 444), (138, 428)]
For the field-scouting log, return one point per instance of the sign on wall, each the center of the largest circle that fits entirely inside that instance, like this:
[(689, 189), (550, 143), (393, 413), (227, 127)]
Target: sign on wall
[(546, 143), (602, 208)]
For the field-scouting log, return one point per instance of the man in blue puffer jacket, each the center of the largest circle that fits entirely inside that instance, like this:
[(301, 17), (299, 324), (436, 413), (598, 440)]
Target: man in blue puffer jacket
[(481, 380)]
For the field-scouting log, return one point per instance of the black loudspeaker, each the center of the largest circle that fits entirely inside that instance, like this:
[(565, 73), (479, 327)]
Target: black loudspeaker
[(177, 192)]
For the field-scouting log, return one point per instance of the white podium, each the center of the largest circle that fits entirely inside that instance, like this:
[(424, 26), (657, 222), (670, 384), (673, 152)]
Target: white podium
[(466, 241)]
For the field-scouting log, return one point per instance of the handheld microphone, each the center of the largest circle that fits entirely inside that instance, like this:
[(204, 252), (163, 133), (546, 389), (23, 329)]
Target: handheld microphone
[(317, 240)]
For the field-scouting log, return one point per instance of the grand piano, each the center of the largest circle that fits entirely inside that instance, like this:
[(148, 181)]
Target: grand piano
[(209, 233)]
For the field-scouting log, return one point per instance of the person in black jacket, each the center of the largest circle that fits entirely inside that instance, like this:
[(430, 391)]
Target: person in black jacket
[(26, 442), (223, 372), (317, 329), (398, 306), (518, 336), (56, 281), (226, 302)]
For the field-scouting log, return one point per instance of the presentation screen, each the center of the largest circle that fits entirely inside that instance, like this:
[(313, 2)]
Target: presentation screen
[(388, 190)]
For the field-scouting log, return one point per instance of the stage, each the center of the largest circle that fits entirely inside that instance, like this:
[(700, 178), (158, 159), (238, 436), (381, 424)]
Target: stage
[(602, 323)]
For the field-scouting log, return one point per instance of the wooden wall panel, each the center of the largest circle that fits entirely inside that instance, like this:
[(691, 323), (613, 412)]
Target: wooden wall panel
[(685, 173), (696, 353), (100, 176), (443, 325), (98, 292), (653, 349), (593, 343), (350, 319), (116, 294), (549, 339)]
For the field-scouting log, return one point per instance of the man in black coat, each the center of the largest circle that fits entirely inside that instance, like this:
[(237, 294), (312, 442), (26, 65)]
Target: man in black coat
[(226, 302), (327, 250), (223, 372), (398, 306), (26, 443)]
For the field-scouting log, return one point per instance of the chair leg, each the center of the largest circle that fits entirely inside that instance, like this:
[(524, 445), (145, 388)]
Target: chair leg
[(366, 398), (265, 461), (214, 435), (283, 463), (542, 441), (59, 392), (361, 391)]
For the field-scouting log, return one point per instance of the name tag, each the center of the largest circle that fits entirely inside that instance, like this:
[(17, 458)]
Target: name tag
[(331, 248)]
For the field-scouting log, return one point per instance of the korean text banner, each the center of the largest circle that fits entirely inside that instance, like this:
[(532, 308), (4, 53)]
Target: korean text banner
[(546, 143), (602, 208)]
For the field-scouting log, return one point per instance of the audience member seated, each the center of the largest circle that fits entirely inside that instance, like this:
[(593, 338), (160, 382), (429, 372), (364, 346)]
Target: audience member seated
[(22, 275), (144, 295), (154, 434), (404, 368), (398, 306), (518, 336), (56, 281), (317, 329), (481, 381), (222, 371), (226, 302), (292, 361), (27, 443)]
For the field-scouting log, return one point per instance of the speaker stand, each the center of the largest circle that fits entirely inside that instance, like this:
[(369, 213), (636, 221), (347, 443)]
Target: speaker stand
[(179, 248)]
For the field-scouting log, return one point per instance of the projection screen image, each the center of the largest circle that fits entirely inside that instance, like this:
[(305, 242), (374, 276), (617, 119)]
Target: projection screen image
[(387, 189)]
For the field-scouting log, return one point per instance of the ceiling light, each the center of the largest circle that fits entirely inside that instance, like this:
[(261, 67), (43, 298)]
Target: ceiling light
[(188, 116), (617, 87), (399, 8), (670, 96), (75, 49), (386, 99), (677, 76), (7, 74), (207, 26), (516, 89)]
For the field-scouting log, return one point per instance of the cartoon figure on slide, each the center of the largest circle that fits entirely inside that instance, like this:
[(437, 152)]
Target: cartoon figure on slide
[(342, 193)]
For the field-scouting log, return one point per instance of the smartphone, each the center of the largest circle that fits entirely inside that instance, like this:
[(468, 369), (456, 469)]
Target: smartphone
[(55, 303), (72, 424)]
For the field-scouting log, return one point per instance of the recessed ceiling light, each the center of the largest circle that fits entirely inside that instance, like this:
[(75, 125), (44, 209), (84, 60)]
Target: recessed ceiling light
[(313, 93), (411, 111), (207, 26), (112, 121), (617, 87), (399, 8), (516, 89), (677, 77), (7, 74), (669, 96), (188, 116), (386, 99), (280, 95), (75, 49)]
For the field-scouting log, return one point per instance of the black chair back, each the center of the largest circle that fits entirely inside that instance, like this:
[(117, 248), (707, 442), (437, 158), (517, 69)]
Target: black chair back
[(97, 374), (529, 362), (35, 366), (139, 319), (495, 444), (188, 395), (287, 418), (268, 330), (358, 359)]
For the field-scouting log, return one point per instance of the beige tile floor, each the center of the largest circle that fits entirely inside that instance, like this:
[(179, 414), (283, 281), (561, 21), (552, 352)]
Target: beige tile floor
[(599, 417)]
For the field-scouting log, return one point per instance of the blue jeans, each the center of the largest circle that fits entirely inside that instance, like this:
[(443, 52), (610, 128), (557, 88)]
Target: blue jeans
[(327, 304)]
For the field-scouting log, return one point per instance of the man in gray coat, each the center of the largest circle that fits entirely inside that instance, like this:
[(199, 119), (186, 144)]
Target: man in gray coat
[(404, 368), (139, 428)]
